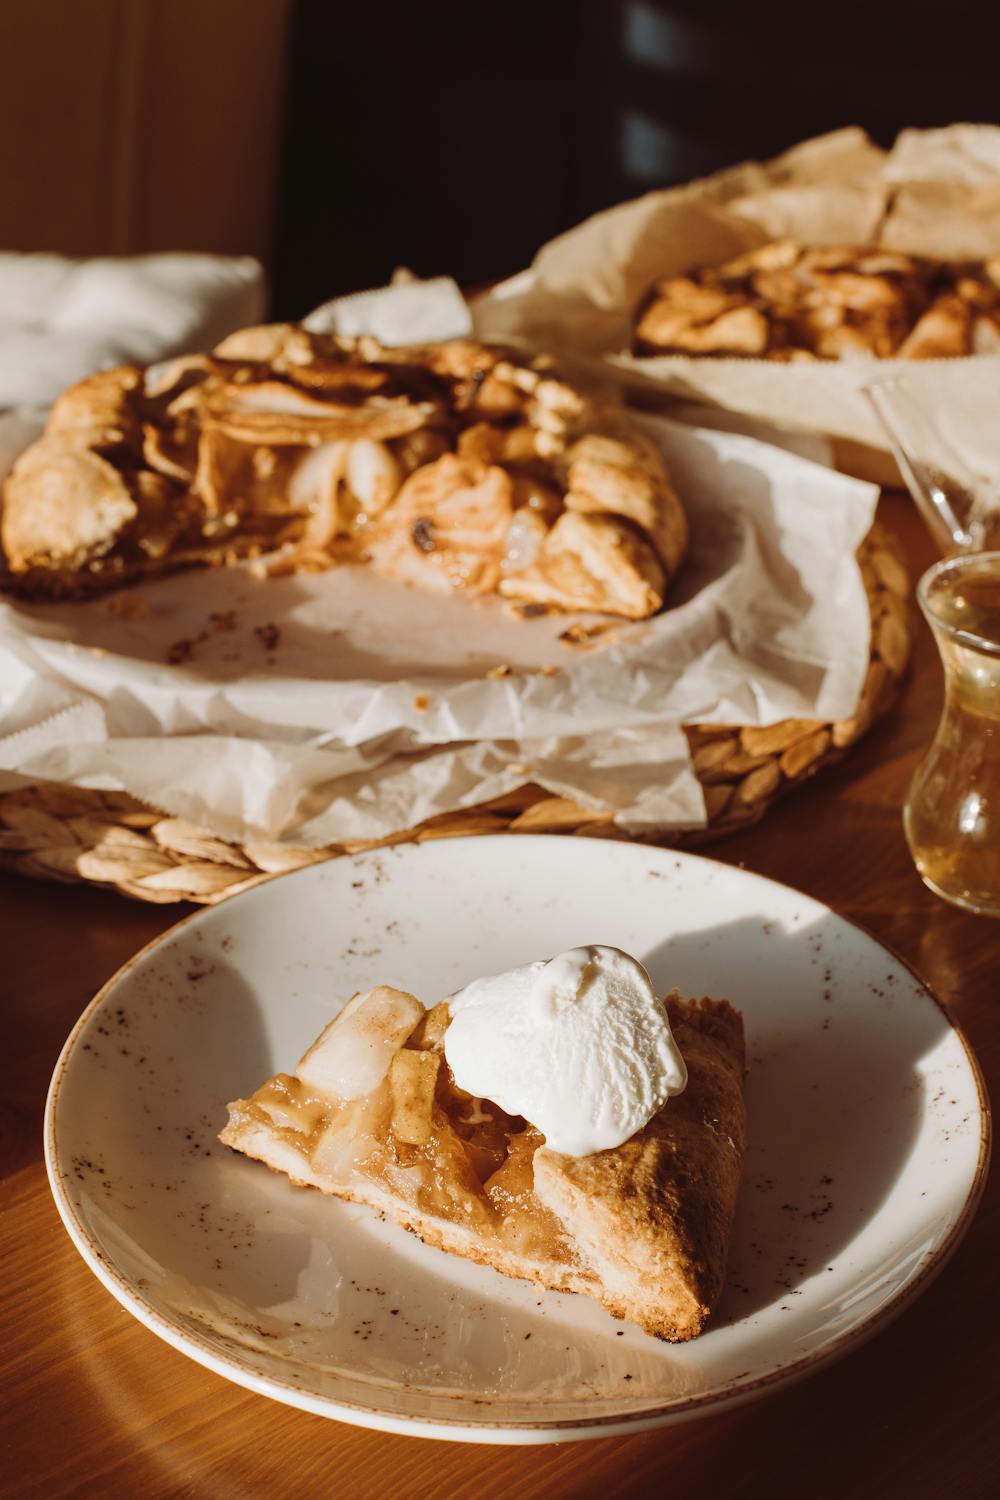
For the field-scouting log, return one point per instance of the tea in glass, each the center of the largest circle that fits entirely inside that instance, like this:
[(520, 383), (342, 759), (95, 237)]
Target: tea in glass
[(952, 812)]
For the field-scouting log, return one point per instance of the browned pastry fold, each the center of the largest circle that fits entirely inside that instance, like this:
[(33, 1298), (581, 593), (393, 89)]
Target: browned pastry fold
[(643, 1228), (788, 302), (454, 466)]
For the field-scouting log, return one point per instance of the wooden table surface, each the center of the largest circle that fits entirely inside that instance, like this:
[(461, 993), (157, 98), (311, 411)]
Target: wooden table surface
[(95, 1405)]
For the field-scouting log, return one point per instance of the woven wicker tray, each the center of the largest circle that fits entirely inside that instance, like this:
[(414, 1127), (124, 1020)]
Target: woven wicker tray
[(64, 833)]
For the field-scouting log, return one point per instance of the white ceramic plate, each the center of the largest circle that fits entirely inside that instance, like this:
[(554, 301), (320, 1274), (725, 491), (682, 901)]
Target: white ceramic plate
[(868, 1127)]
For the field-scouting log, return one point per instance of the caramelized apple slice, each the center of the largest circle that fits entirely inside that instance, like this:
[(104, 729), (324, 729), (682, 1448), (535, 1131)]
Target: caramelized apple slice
[(447, 526), (430, 1032), (412, 1081), (592, 562), (352, 1137), (353, 1055)]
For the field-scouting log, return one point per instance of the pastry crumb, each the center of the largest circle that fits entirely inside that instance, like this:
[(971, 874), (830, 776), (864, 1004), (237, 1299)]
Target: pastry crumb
[(421, 703), (269, 635), (180, 651), (582, 635), (530, 611)]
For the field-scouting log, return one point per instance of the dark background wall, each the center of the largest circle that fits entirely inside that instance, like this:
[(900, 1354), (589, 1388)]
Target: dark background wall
[(456, 135), (338, 139)]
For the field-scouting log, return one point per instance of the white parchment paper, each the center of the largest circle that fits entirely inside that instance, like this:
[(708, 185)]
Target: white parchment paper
[(768, 620)]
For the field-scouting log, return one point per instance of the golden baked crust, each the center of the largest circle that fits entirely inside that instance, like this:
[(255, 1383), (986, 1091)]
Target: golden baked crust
[(658, 1210), (786, 301), (643, 1228), (449, 466)]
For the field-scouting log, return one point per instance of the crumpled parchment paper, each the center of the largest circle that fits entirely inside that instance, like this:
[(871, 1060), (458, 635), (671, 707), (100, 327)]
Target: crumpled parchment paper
[(936, 193)]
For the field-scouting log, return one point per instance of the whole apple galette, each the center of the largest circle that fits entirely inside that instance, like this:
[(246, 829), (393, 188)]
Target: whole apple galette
[(454, 466), (559, 1122)]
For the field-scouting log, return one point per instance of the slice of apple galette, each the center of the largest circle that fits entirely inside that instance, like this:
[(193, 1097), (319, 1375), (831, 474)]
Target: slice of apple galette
[(559, 1123), (453, 466)]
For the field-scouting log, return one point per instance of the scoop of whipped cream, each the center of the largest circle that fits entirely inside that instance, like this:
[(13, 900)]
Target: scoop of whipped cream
[(580, 1045)]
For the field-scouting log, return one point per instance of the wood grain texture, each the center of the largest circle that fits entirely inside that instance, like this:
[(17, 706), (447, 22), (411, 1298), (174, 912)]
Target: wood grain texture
[(96, 1406)]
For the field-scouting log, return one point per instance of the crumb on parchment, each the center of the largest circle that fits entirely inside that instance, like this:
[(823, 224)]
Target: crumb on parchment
[(180, 651), (532, 611), (269, 635), (582, 635)]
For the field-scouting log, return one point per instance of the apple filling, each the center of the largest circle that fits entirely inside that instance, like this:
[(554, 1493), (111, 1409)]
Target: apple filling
[(373, 1103)]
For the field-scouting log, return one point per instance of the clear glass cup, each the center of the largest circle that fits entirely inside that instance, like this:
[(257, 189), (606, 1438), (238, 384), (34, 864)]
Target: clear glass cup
[(960, 506), (952, 812)]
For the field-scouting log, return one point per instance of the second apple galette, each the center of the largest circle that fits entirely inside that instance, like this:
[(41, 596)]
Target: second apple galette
[(559, 1123), (455, 466), (786, 301)]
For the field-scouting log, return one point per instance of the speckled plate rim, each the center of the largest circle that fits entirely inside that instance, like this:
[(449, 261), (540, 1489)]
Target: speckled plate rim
[(477, 1430)]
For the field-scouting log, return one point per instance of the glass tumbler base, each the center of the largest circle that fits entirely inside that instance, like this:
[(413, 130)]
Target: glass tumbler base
[(985, 908)]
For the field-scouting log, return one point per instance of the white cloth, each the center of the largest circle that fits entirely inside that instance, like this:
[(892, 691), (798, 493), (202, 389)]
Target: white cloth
[(61, 319)]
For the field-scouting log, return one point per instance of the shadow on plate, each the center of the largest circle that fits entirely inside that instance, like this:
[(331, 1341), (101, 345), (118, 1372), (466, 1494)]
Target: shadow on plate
[(834, 1094)]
